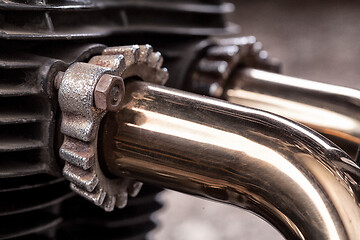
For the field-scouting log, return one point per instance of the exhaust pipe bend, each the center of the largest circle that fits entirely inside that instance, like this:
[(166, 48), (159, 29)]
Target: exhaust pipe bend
[(331, 110), (290, 175)]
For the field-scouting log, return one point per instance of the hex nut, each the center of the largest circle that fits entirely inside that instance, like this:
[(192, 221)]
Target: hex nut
[(109, 92)]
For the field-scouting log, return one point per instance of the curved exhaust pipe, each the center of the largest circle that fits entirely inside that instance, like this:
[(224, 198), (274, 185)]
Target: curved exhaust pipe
[(290, 175), (331, 110)]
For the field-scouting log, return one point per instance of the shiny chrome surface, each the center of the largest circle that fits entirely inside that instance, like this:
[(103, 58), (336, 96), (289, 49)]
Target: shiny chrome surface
[(331, 110), (299, 181)]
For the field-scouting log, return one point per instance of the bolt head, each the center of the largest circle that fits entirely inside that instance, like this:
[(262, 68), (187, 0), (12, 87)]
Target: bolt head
[(109, 92)]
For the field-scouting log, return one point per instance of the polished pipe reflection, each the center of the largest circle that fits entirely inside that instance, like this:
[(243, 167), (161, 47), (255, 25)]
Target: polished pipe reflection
[(293, 177), (330, 110)]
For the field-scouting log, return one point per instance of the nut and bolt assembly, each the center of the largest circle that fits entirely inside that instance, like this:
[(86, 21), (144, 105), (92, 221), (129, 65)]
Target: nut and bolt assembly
[(109, 92)]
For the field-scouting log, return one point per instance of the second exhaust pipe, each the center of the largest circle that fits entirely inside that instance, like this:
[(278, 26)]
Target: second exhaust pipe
[(329, 109)]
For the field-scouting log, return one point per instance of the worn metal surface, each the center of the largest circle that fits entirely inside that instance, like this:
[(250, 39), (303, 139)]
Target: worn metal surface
[(40, 38), (31, 191), (81, 118), (212, 69), (109, 92)]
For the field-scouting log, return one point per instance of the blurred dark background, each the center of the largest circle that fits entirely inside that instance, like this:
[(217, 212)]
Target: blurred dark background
[(318, 40), (315, 40)]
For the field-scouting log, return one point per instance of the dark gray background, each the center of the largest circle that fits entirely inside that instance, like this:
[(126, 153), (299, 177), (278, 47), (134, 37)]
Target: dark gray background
[(317, 40)]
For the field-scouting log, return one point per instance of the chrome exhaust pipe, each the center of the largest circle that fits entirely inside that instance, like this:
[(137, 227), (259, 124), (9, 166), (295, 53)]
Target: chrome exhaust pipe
[(290, 175), (330, 110)]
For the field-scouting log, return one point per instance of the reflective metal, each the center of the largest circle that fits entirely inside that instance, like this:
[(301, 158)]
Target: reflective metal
[(331, 110), (299, 181)]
